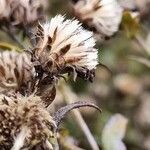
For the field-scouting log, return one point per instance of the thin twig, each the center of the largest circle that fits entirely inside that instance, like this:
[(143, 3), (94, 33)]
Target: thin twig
[(69, 98)]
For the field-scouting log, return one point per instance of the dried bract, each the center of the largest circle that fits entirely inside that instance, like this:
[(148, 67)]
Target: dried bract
[(63, 46), (101, 16)]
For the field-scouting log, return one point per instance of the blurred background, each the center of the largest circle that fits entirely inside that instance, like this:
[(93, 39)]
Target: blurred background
[(126, 90)]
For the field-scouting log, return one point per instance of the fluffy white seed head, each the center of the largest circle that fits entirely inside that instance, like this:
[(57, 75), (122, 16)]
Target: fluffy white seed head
[(62, 43), (103, 16)]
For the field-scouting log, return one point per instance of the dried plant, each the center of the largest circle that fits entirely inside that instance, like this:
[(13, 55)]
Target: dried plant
[(27, 82), (26, 124), (63, 46), (22, 12), (101, 16)]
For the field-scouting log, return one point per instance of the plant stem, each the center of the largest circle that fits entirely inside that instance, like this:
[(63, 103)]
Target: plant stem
[(142, 43), (69, 98)]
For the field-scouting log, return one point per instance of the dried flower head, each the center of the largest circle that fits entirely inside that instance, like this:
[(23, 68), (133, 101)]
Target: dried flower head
[(4, 11), (63, 45), (15, 71), (24, 123), (101, 16), (22, 11)]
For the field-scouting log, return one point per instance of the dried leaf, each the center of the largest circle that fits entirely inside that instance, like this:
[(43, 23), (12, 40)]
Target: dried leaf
[(61, 113)]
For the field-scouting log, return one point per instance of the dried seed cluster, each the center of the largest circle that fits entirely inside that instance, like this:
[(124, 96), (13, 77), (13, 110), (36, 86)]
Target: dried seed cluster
[(24, 119)]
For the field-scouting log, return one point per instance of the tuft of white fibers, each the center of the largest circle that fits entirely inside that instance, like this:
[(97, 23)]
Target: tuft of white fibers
[(65, 43), (49, 145), (20, 139), (104, 16)]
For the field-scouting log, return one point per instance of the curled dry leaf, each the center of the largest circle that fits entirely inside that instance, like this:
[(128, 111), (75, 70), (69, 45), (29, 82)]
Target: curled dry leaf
[(61, 113), (47, 92)]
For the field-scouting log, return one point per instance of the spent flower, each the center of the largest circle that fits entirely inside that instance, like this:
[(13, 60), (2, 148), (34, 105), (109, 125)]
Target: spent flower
[(63, 45), (101, 16), (24, 123)]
